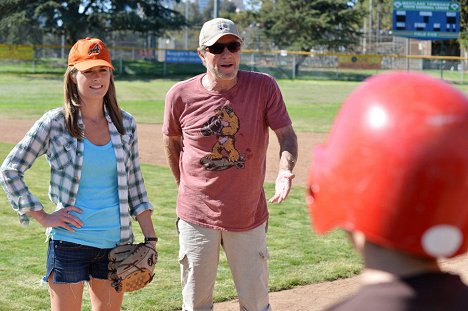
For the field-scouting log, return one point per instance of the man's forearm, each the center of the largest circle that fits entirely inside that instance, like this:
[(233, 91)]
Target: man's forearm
[(288, 148), (173, 148), (287, 160)]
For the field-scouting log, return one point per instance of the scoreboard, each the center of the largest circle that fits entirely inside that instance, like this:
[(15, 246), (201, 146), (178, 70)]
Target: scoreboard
[(426, 20)]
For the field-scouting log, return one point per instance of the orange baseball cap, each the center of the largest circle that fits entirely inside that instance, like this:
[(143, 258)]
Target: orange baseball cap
[(88, 53)]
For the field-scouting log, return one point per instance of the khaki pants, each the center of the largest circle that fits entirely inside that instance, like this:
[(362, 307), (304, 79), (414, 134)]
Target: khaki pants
[(247, 256)]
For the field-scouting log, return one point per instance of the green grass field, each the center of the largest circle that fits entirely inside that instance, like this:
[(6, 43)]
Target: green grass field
[(311, 104), (298, 256)]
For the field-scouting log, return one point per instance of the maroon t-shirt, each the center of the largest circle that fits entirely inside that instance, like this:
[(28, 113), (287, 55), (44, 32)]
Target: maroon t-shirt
[(225, 139)]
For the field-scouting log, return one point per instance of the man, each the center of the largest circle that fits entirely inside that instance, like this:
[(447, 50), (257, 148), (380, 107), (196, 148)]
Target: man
[(394, 175), (216, 136)]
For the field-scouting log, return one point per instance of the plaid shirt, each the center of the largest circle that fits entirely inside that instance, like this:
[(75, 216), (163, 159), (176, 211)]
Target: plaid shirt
[(64, 153)]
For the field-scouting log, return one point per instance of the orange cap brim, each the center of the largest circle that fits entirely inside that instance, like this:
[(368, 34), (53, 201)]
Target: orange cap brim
[(92, 63)]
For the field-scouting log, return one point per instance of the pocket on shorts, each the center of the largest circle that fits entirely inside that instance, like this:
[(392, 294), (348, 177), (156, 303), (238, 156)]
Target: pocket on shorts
[(264, 253), (183, 260), (69, 246), (184, 265), (50, 261), (177, 225)]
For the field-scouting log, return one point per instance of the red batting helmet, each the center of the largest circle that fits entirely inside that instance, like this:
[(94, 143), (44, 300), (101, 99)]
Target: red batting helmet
[(395, 166)]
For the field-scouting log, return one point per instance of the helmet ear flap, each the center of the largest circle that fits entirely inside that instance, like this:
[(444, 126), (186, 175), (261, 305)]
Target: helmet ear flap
[(395, 166)]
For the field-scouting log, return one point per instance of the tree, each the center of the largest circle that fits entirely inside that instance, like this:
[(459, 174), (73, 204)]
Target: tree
[(378, 16), (15, 24), (307, 24), (76, 19), (463, 38)]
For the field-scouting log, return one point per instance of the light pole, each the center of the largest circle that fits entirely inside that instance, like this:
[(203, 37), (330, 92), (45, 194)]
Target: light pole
[(186, 27), (215, 8), (370, 23)]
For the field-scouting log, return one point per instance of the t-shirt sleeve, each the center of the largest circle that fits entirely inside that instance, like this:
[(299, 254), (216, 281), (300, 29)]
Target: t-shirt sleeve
[(173, 106), (276, 113)]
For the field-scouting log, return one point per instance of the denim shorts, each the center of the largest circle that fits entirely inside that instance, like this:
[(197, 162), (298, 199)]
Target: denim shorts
[(74, 263)]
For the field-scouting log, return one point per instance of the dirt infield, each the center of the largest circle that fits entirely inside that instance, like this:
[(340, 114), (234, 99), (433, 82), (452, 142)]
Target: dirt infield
[(302, 298), (150, 146)]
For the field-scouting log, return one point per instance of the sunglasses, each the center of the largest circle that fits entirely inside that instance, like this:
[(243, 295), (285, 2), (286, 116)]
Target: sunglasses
[(218, 48)]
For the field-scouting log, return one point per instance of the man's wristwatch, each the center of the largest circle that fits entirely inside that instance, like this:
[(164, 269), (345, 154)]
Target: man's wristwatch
[(151, 239)]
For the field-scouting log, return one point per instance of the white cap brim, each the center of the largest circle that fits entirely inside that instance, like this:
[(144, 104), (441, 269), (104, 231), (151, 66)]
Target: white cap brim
[(217, 37)]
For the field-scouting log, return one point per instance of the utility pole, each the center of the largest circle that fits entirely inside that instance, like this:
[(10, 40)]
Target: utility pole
[(186, 27), (370, 24), (215, 8)]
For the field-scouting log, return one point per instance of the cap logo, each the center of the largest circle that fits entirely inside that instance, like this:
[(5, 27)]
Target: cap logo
[(94, 50), (223, 26)]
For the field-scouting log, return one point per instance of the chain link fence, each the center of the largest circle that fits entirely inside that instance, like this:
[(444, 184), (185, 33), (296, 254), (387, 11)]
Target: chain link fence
[(283, 64)]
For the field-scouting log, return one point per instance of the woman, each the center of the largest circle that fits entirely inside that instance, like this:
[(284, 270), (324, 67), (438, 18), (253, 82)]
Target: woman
[(96, 182)]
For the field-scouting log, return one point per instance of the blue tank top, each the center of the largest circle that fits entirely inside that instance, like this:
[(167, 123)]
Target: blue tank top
[(98, 199)]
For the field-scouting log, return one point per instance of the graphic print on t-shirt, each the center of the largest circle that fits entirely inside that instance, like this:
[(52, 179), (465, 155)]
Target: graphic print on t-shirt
[(224, 124)]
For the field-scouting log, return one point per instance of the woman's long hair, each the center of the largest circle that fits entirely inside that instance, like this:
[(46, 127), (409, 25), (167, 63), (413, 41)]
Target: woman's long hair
[(72, 105)]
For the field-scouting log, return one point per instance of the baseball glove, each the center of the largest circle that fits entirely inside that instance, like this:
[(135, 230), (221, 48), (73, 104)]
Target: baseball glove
[(131, 266)]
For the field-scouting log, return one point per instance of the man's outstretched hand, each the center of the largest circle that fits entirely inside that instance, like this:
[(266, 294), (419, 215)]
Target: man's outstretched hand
[(282, 186)]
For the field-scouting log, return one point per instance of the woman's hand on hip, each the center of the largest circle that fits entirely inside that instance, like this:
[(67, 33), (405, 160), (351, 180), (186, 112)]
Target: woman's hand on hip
[(59, 218)]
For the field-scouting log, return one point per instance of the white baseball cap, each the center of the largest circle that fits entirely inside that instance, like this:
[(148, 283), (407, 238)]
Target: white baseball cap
[(214, 29)]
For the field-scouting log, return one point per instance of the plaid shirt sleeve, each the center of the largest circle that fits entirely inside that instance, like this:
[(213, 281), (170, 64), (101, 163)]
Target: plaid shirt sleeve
[(19, 160), (137, 196)]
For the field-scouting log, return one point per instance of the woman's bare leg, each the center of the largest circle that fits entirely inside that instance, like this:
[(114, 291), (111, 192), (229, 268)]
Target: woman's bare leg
[(65, 297), (103, 296)]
